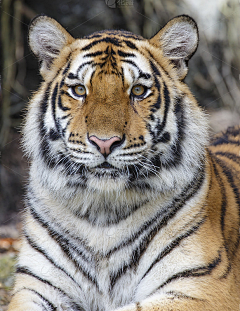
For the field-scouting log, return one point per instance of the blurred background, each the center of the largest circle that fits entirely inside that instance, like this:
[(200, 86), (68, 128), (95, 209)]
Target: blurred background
[(214, 75)]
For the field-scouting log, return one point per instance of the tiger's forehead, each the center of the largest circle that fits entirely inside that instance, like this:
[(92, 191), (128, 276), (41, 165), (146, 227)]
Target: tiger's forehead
[(111, 52)]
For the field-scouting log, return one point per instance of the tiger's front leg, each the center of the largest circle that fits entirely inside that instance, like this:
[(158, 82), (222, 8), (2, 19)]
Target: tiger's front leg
[(180, 302), (38, 294), (31, 300)]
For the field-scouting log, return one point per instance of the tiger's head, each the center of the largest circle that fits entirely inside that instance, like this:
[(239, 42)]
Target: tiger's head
[(113, 113)]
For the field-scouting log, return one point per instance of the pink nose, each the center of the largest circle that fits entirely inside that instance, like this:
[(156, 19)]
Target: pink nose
[(105, 146)]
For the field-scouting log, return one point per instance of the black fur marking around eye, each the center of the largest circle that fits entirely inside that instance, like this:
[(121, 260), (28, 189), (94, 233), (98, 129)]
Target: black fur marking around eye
[(157, 104), (64, 108)]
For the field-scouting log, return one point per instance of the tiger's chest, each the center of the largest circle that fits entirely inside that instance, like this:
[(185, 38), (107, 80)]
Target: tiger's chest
[(110, 290)]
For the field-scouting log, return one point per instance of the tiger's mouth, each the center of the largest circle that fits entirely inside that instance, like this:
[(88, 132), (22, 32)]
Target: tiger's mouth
[(106, 170), (106, 165)]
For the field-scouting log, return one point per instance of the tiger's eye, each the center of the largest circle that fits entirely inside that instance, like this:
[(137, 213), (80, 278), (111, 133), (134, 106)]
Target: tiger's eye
[(79, 90), (138, 90)]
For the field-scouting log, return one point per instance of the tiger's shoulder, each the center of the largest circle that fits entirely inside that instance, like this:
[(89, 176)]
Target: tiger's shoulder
[(226, 145)]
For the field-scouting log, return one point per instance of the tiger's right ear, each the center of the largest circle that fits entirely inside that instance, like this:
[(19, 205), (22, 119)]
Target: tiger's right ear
[(178, 40), (46, 39)]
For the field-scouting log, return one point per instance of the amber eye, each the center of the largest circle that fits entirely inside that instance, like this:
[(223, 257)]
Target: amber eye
[(138, 90), (79, 90)]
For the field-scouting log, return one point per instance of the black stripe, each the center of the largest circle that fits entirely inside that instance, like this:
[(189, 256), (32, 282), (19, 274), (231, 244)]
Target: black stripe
[(229, 155), (162, 218), (93, 54), (65, 128), (155, 69), (130, 44), (41, 251), (223, 197), (63, 108), (91, 78), (54, 135), (120, 33), (45, 300), (144, 75), (195, 272), (174, 244), (93, 36), (157, 74), (25, 270), (40, 305), (67, 67), (228, 174), (140, 250), (72, 76), (131, 63), (113, 41), (124, 54), (53, 102), (224, 140), (166, 108), (66, 247), (52, 161), (83, 65), (180, 295), (223, 214), (44, 102), (66, 116), (176, 149)]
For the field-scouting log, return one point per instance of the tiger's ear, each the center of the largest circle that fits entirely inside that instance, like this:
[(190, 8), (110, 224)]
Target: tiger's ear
[(46, 39), (178, 40)]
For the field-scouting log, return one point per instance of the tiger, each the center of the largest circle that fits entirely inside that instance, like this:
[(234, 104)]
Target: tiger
[(131, 205)]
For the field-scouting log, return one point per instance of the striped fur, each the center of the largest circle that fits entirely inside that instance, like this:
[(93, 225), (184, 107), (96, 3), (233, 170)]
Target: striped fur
[(149, 223)]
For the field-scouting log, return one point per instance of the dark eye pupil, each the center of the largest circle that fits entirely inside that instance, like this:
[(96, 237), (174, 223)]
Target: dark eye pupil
[(79, 90), (138, 90)]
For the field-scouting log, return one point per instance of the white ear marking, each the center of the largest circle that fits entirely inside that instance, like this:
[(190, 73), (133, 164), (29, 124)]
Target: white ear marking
[(46, 39), (178, 40)]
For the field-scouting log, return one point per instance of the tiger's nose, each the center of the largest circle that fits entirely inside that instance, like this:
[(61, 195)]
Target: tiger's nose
[(106, 146)]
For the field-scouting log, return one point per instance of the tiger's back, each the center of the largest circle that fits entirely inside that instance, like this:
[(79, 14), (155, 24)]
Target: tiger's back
[(224, 153), (127, 207)]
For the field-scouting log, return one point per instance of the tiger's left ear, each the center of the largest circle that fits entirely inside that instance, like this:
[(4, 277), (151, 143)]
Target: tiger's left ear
[(178, 40)]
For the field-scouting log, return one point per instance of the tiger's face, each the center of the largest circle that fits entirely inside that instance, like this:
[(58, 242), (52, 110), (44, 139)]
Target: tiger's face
[(112, 106)]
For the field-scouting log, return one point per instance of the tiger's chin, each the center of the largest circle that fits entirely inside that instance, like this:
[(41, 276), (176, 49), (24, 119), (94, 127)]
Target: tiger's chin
[(106, 180)]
